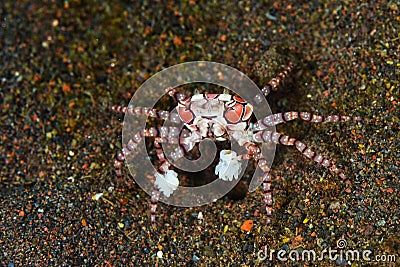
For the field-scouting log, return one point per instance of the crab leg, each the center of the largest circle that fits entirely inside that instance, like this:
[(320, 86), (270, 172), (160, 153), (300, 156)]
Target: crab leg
[(255, 152), (278, 118), (150, 112), (274, 82), (269, 136), (155, 194), (185, 144), (169, 134), (267, 189), (179, 97)]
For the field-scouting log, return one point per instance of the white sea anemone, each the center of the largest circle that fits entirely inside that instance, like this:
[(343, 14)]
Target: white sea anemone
[(228, 167), (167, 183)]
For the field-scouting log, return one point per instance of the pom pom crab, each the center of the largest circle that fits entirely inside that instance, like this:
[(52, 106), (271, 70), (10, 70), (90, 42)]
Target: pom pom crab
[(217, 116)]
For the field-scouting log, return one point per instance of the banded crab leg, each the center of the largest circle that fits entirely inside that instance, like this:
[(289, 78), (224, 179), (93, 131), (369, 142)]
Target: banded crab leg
[(269, 136), (155, 113), (163, 169), (274, 82), (164, 134), (278, 118), (255, 152), (267, 188), (185, 142), (179, 97), (150, 112), (169, 133)]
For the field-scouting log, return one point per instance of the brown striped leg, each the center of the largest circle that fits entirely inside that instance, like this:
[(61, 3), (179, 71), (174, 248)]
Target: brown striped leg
[(184, 142), (269, 136), (155, 195), (163, 134), (267, 188), (274, 82), (179, 97), (187, 140), (278, 118), (150, 112), (155, 113), (167, 133), (253, 151)]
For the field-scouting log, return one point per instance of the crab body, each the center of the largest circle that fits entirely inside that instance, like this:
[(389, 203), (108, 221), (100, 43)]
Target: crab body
[(216, 116)]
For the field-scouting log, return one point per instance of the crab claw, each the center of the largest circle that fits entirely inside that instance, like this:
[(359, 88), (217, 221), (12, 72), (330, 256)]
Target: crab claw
[(228, 167), (167, 183)]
